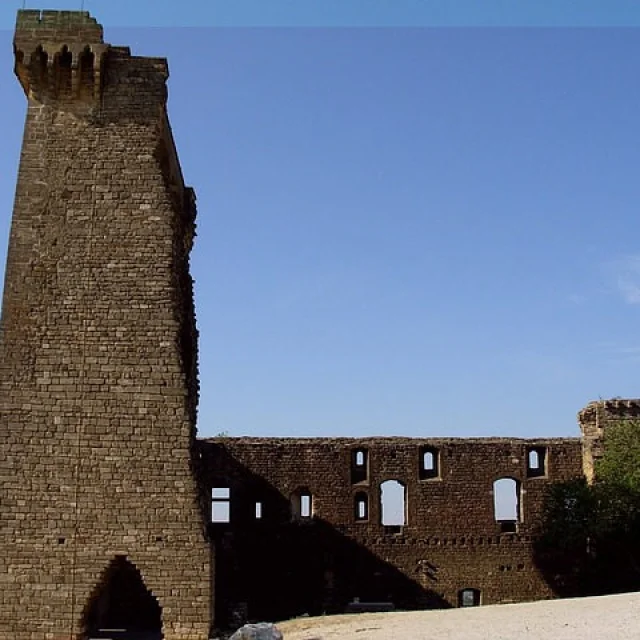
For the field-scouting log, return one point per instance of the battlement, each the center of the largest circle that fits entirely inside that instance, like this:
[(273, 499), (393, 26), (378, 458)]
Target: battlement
[(615, 408), (59, 54), (54, 29), (594, 418)]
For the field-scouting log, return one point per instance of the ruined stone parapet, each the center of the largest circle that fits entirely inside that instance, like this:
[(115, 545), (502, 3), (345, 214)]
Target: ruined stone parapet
[(593, 421), (309, 513)]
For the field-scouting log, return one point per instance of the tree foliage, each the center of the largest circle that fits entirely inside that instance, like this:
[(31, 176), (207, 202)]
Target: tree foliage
[(620, 464), (588, 540)]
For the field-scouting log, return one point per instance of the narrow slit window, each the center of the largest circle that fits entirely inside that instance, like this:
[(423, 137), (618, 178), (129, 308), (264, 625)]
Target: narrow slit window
[(361, 506), (305, 505), (428, 463), (359, 466), (302, 505), (536, 459), (220, 504), (258, 511)]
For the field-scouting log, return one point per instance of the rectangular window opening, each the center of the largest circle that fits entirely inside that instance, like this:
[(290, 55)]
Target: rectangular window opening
[(428, 463), (361, 506), (506, 503), (220, 505), (305, 506), (359, 466), (469, 598), (508, 526), (393, 510)]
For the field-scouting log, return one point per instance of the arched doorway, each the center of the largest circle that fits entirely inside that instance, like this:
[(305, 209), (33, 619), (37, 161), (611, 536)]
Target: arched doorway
[(122, 607)]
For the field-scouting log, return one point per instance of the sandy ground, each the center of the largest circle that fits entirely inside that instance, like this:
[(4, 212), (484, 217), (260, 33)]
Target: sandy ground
[(604, 618)]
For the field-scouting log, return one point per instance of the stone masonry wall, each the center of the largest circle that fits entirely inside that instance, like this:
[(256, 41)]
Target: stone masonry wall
[(451, 540), (98, 358)]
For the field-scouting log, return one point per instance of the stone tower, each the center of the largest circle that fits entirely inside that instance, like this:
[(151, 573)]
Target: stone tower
[(101, 518), (594, 420)]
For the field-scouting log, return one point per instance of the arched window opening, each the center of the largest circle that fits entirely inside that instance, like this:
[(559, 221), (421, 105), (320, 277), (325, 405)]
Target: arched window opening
[(39, 60), (469, 598), (359, 466), (506, 504), (392, 505), (220, 504), (428, 463), (536, 462), (122, 601), (63, 61), (302, 505), (361, 503), (87, 72)]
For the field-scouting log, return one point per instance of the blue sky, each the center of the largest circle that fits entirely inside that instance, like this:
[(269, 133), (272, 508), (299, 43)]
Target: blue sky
[(401, 231), (345, 13)]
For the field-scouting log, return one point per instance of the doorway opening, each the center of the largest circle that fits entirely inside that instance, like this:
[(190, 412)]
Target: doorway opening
[(121, 607)]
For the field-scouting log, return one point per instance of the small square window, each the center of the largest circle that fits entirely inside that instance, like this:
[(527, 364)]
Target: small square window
[(469, 598)]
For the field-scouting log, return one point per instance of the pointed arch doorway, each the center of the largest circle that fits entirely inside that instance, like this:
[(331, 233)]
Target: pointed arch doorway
[(121, 607)]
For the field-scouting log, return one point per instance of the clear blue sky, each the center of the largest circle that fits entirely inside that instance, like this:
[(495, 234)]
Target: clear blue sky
[(345, 13), (402, 231)]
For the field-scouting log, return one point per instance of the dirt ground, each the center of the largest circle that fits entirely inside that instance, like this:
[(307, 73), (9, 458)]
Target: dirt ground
[(603, 618)]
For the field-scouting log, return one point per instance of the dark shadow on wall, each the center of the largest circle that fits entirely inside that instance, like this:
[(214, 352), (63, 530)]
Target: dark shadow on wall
[(122, 607), (282, 565), (587, 543)]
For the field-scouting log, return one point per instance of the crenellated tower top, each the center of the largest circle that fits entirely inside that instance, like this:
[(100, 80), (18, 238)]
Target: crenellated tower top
[(59, 55)]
